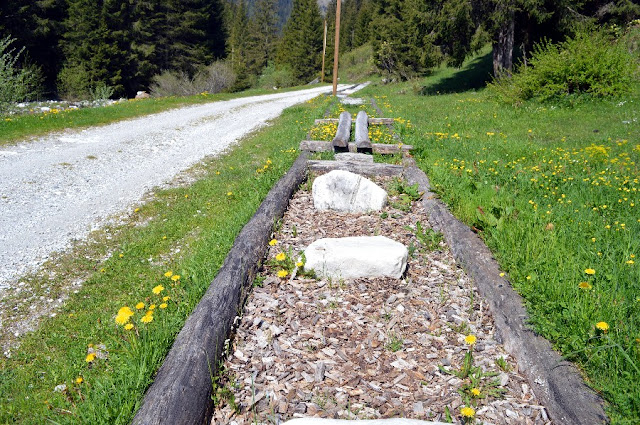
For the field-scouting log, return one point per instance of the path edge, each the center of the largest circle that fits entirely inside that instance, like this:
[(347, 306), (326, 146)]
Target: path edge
[(181, 390), (556, 382)]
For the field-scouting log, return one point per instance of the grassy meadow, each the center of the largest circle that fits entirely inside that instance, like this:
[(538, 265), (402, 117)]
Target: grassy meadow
[(555, 193), (92, 362)]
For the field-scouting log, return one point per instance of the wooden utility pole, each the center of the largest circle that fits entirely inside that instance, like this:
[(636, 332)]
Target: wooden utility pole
[(324, 50), (337, 49)]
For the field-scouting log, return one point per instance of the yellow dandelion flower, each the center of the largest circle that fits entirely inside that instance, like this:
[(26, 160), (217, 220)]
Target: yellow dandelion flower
[(470, 339), (103, 270), (590, 271), (299, 264), (475, 392), (90, 357), (175, 277), (501, 274), (136, 210), (630, 262), (121, 319), (140, 306), (163, 305), (125, 311), (584, 285), (79, 380), (128, 326), (152, 307), (467, 412), (282, 273), (158, 289), (602, 326), (169, 273), (165, 299), (281, 256), (147, 318), (121, 255), (273, 242)]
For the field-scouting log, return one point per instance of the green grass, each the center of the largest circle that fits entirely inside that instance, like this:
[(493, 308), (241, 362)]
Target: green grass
[(188, 230), (16, 128), (553, 191)]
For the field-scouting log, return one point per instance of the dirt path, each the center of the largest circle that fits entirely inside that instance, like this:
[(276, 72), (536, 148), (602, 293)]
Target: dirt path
[(58, 188)]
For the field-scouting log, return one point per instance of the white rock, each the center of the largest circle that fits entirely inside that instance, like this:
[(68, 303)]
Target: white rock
[(393, 421), (347, 192), (354, 257), (353, 157)]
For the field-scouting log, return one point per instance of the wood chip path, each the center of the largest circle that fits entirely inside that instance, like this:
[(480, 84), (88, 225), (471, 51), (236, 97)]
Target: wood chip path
[(366, 348)]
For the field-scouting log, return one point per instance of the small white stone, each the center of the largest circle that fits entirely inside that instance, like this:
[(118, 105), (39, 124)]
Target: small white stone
[(355, 257), (344, 191)]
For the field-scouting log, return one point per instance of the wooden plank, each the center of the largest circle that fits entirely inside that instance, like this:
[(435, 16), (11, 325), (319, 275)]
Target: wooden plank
[(340, 143), (326, 120), (181, 391), (372, 121), (375, 169), (381, 148), (379, 121), (363, 143)]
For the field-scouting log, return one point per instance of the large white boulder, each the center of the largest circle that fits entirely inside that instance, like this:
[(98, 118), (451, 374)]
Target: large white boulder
[(344, 191), (359, 256), (392, 421)]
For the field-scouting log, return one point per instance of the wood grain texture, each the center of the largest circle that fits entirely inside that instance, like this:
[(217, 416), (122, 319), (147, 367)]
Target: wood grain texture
[(361, 136), (366, 169), (341, 141), (381, 148)]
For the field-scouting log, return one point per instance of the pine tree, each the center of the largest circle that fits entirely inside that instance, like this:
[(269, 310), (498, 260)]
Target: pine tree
[(301, 44), (263, 35), (237, 42)]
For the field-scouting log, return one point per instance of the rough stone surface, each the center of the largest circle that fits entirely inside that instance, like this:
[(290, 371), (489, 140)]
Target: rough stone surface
[(344, 191), (354, 157), (355, 257)]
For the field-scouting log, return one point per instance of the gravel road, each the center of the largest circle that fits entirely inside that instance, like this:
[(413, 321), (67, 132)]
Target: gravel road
[(57, 189)]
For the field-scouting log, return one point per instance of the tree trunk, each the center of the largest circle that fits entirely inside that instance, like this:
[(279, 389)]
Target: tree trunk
[(503, 45)]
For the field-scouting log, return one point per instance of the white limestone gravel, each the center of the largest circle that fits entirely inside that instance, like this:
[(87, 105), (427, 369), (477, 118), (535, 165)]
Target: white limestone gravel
[(58, 188)]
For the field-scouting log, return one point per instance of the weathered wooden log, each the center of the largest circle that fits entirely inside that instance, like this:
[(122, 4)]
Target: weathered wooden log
[(340, 143), (556, 382), (181, 391), (381, 148), (372, 121), (363, 143), (366, 169)]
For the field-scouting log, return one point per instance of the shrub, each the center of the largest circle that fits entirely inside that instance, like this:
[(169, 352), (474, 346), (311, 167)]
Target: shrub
[(74, 82), (101, 92), (16, 84), (214, 78), (589, 65), (273, 76)]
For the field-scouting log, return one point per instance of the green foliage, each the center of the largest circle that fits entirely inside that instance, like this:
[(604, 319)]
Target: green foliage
[(101, 92), (16, 83), (301, 45), (276, 76), (588, 65), (215, 78)]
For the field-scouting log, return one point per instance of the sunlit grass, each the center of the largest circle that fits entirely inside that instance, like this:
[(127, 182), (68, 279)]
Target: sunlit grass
[(554, 192)]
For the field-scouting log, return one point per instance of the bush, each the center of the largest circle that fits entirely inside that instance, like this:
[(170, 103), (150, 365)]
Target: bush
[(101, 92), (16, 84), (273, 76), (74, 82), (214, 78), (589, 65)]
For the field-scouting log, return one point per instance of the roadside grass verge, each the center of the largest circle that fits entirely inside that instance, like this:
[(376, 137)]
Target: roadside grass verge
[(16, 128), (93, 360), (555, 194)]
